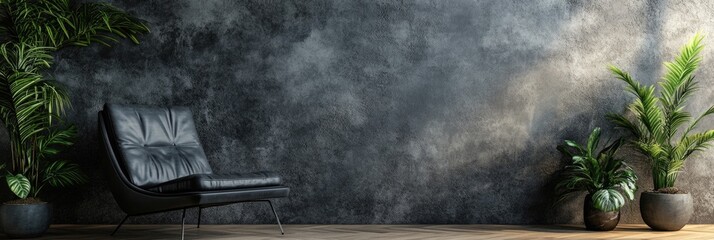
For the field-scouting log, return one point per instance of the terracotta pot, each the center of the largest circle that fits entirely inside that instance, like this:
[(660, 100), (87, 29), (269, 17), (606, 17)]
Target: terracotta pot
[(664, 211), (597, 220)]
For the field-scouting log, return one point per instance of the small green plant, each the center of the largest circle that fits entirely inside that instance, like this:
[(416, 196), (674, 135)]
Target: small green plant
[(601, 174), (658, 118)]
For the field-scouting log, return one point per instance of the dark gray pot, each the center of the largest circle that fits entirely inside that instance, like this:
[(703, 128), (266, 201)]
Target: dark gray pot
[(25, 220), (666, 212), (598, 220)]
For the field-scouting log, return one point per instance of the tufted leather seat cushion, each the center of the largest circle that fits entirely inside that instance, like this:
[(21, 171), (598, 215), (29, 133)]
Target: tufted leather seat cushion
[(210, 182), (156, 144)]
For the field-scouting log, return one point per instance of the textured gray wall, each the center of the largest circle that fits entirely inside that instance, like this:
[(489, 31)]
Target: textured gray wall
[(386, 111)]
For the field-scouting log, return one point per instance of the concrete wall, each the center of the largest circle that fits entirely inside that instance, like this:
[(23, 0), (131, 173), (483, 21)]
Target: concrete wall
[(387, 111)]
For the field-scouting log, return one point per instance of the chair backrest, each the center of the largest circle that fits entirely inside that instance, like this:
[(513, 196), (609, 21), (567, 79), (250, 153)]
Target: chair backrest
[(155, 144)]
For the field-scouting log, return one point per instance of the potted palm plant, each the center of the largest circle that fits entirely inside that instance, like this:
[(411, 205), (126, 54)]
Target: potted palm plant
[(32, 106), (604, 176), (29, 109), (664, 132)]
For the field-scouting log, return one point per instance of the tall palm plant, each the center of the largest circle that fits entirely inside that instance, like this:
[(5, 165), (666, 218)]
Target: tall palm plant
[(32, 106), (661, 128)]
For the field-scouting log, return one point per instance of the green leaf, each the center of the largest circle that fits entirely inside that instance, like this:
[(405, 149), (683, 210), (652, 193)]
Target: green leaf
[(608, 200), (593, 141), (572, 144), (62, 174), (622, 122), (564, 151), (18, 184)]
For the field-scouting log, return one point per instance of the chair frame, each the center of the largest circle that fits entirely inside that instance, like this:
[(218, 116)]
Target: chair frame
[(198, 224)]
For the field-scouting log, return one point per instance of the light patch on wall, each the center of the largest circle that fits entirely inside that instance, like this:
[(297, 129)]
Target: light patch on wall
[(313, 57), (106, 75), (352, 107), (520, 29), (206, 111), (401, 31), (313, 51), (201, 13), (432, 138), (503, 133), (313, 80)]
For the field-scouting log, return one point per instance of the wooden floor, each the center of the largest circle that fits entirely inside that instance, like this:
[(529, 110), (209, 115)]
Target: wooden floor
[(391, 232)]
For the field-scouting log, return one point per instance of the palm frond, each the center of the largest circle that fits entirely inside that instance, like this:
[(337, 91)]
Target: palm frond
[(662, 116), (678, 84), (50, 144), (696, 121), (61, 174), (30, 104), (645, 107), (60, 23), (622, 122)]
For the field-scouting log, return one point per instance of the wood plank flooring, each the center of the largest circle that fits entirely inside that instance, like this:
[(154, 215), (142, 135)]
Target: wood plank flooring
[(391, 232)]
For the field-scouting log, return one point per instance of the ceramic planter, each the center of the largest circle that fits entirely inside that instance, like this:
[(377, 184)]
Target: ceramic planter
[(25, 220), (597, 220), (664, 211)]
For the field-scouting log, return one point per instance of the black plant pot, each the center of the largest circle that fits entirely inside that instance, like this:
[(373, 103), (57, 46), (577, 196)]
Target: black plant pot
[(666, 212), (25, 220), (597, 220)]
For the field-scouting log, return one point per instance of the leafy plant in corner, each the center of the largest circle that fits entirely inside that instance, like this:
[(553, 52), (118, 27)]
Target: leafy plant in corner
[(604, 176), (32, 105), (660, 127)]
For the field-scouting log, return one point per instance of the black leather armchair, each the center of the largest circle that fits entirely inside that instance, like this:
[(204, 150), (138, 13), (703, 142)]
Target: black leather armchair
[(155, 163)]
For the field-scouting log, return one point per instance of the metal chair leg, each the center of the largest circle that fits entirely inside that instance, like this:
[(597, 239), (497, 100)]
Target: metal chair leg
[(198, 225), (183, 217), (118, 226), (276, 217)]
